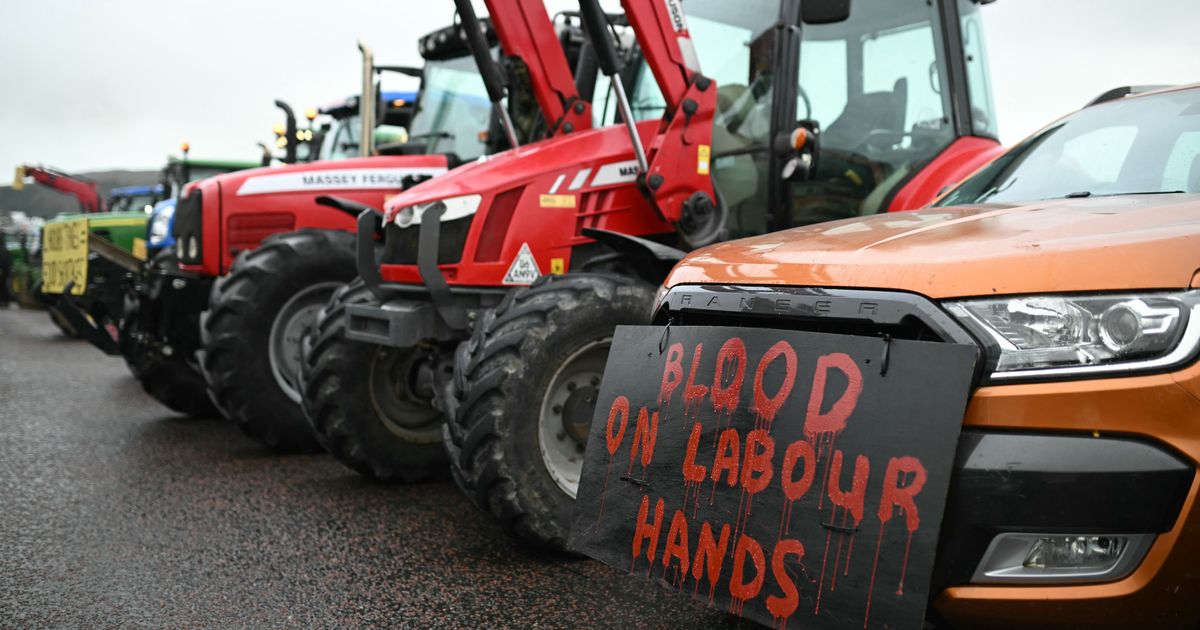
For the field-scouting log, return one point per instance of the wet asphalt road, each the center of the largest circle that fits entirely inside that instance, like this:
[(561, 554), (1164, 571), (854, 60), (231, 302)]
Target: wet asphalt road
[(115, 513)]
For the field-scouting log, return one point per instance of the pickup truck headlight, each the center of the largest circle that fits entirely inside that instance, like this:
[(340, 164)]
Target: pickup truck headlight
[(1049, 336)]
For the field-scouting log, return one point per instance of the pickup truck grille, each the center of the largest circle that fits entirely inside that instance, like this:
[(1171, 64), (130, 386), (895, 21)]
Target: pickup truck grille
[(840, 311)]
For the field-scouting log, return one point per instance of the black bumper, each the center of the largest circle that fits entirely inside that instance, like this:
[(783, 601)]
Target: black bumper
[(404, 315), (1050, 483), (169, 306)]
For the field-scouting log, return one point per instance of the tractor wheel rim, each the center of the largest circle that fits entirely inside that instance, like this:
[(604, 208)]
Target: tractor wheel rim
[(404, 412), (570, 396), (293, 322)]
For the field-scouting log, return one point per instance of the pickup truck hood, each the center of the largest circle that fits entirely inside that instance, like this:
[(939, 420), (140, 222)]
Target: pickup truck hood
[(1094, 244)]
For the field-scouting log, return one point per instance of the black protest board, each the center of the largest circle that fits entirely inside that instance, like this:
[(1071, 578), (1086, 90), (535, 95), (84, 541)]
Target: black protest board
[(786, 476)]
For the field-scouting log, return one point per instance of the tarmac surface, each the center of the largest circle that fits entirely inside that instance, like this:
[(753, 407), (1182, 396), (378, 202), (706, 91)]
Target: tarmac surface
[(115, 513)]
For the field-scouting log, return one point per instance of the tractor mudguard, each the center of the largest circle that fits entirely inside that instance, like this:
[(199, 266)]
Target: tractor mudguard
[(652, 261), (350, 207)]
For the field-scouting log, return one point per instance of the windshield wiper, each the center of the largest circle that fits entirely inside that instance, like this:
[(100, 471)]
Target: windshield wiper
[(1083, 194)]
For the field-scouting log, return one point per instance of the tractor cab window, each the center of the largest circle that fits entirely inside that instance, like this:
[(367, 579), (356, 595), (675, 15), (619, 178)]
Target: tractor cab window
[(342, 140), (453, 113), (735, 45), (979, 85), (876, 84)]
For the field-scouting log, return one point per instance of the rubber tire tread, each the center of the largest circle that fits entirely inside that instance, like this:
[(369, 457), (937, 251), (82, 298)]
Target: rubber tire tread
[(235, 331), (493, 458), (335, 377)]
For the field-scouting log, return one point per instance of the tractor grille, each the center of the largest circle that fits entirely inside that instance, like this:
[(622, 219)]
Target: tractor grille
[(401, 245), (188, 229)]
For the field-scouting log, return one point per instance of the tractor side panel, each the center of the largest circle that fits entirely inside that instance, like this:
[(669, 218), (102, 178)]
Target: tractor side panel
[(241, 209), (546, 215)]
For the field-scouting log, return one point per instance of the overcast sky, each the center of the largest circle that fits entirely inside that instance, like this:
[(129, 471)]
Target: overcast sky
[(88, 85)]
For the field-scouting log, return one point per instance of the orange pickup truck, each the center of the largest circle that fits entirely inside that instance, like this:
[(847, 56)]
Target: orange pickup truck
[(1072, 265)]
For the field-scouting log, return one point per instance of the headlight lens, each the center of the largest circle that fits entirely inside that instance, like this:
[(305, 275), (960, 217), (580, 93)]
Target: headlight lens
[(160, 226), (193, 248), (456, 208), (1061, 335)]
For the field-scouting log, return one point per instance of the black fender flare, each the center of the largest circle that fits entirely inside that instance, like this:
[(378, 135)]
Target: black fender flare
[(652, 261)]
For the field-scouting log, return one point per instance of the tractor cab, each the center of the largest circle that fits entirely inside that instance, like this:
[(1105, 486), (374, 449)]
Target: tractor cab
[(883, 94), (134, 198), (179, 171), (338, 136)]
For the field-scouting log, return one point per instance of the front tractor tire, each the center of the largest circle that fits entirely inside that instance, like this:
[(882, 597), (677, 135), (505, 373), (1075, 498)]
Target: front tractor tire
[(258, 316), (371, 406), (525, 385)]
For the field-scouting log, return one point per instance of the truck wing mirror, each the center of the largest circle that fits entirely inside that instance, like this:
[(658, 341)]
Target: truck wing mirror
[(824, 11)]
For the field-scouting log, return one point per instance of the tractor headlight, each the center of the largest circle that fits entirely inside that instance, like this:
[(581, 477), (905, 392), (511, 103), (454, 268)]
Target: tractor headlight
[(1055, 336), (160, 226), (456, 208)]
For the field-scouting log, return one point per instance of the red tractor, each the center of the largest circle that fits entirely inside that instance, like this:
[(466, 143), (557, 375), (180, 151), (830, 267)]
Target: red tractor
[(259, 253), (535, 255)]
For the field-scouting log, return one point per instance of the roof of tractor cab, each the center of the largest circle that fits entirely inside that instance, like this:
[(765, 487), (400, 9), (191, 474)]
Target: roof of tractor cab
[(223, 164), (349, 105), (136, 191)]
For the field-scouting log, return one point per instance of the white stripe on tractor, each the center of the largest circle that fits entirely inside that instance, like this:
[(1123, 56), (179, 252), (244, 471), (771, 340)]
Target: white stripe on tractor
[(558, 182), (336, 179), (580, 179)]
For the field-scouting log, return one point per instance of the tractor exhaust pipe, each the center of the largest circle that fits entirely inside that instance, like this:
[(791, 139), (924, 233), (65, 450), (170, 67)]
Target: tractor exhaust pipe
[(493, 79), (595, 25), (366, 102), (289, 156)]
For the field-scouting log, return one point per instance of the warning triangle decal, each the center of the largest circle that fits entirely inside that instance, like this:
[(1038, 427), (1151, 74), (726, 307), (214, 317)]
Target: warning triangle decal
[(524, 269)]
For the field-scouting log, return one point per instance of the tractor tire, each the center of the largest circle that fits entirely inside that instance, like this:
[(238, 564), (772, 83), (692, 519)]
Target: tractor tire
[(525, 385), (172, 380), (362, 399), (258, 316)]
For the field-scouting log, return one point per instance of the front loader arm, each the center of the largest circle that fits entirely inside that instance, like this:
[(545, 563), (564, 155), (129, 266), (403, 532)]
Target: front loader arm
[(526, 32), (677, 167), (85, 190)]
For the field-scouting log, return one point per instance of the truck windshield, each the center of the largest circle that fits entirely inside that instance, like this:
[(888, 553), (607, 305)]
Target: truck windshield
[(1142, 145), (453, 111)]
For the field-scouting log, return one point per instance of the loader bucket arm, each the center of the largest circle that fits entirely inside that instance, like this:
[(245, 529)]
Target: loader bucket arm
[(678, 158), (83, 189), (526, 32)]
